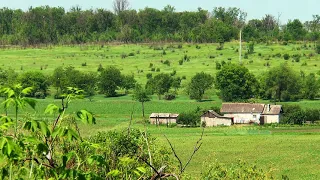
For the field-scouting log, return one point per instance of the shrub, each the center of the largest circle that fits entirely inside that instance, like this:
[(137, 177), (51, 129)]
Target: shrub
[(179, 46), (150, 65), (164, 52), (158, 69), (186, 57), (229, 59), (84, 64), (259, 54), (223, 63), (251, 47), (124, 55), (184, 77), (304, 64), (153, 69), (189, 119), (251, 61), (149, 75), (180, 62), (296, 57), (39, 95), (100, 68), (174, 72), (131, 54), (198, 47), (169, 96), (318, 48), (286, 56), (212, 56), (246, 56), (167, 62), (218, 66)]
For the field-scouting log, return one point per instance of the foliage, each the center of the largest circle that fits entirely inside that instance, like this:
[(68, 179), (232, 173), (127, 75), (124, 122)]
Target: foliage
[(311, 86), (191, 118), (235, 82), (281, 83), (110, 80), (199, 84), (128, 82), (251, 47), (239, 170), (160, 84), (141, 95)]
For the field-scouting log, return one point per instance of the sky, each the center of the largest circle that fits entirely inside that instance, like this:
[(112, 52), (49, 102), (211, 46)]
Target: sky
[(256, 9)]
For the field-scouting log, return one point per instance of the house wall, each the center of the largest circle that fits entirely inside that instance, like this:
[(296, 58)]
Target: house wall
[(244, 118), (216, 121), (271, 119), (163, 120)]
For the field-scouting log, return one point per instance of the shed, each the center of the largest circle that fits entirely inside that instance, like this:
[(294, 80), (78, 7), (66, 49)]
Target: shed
[(211, 118), (271, 114), (163, 118)]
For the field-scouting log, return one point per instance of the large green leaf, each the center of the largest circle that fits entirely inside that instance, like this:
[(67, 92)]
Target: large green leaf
[(51, 108), (30, 102), (86, 117)]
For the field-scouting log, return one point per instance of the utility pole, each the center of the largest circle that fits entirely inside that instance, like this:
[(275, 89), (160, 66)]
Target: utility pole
[(240, 48)]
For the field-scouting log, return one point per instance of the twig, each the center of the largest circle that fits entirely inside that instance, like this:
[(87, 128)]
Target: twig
[(196, 148), (174, 152), (37, 161)]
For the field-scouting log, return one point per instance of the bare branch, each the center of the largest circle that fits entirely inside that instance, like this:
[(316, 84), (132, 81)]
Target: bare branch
[(120, 5), (195, 149), (174, 152)]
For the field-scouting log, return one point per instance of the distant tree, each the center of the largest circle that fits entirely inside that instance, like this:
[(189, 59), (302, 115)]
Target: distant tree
[(251, 47), (176, 83), (140, 94), (318, 47), (160, 84), (295, 30), (281, 84), (235, 82), (311, 86), (38, 81), (120, 5), (88, 83), (199, 84), (8, 77), (109, 81), (128, 82), (191, 118)]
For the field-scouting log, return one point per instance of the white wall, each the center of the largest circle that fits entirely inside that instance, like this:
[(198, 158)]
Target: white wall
[(163, 120), (271, 119), (216, 121), (244, 118)]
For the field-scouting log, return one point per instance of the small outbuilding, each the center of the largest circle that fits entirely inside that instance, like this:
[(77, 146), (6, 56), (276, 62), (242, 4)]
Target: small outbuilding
[(163, 118), (211, 118)]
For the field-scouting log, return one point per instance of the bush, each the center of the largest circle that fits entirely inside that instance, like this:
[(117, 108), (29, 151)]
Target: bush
[(296, 57), (246, 56), (198, 47), (186, 57), (169, 96), (150, 65), (223, 63), (259, 54), (39, 95), (164, 52), (149, 75), (167, 62), (181, 62), (212, 56), (153, 69), (318, 48), (184, 77), (158, 69), (218, 66), (189, 119), (100, 68), (180, 46), (174, 72), (84, 64), (286, 56), (124, 55), (229, 59), (131, 54)]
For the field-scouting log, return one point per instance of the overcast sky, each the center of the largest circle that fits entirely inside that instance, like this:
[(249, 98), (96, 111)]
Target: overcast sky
[(289, 9)]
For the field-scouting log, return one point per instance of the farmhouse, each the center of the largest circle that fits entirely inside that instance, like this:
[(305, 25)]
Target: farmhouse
[(211, 118), (246, 113), (163, 118)]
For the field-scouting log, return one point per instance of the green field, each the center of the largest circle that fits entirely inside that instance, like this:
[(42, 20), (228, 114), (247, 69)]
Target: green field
[(292, 151)]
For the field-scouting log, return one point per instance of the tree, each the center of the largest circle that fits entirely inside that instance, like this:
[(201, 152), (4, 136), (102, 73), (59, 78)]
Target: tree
[(8, 77), (295, 30), (128, 82), (120, 5), (176, 83), (109, 81), (189, 118), (311, 86), (88, 83), (38, 81), (160, 84), (199, 84), (140, 94), (235, 82), (16, 96), (281, 84)]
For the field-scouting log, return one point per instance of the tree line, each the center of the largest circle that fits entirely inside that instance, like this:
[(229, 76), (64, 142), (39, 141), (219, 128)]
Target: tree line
[(233, 83), (56, 25)]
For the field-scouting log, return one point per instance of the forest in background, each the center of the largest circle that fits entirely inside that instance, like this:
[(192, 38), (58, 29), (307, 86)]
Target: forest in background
[(56, 25)]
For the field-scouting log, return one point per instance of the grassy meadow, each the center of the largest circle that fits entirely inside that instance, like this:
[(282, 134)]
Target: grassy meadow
[(292, 151)]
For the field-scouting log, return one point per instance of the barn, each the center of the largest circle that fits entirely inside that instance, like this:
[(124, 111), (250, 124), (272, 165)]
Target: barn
[(247, 113), (211, 118), (163, 118)]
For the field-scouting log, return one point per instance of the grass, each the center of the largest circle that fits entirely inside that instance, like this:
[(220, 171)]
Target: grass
[(292, 151)]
